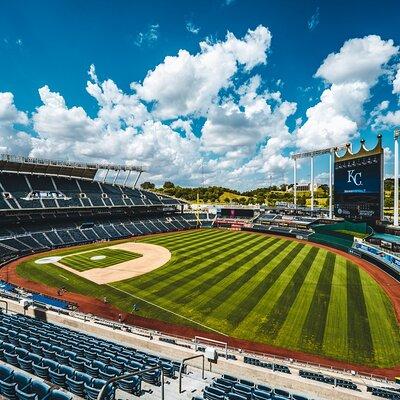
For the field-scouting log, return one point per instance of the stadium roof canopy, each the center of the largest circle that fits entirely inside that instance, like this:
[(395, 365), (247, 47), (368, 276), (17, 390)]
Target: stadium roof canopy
[(10, 163)]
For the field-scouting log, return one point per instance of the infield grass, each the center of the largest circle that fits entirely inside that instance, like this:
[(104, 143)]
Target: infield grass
[(99, 258), (256, 287)]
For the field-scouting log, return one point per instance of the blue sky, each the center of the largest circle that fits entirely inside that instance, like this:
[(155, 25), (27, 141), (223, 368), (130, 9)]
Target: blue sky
[(238, 127)]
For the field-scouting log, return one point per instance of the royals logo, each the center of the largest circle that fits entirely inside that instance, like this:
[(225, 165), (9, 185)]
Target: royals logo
[(354, 177)]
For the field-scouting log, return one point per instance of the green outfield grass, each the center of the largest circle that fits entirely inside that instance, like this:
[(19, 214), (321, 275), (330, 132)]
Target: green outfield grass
[(82, 261), (256, 287)]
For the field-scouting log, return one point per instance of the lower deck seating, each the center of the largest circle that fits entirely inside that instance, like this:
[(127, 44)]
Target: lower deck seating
[(260, 363), (384, 392), (15, 384), (231, 388), (79, 363), (70, 234), (330, 380), (38, 298)]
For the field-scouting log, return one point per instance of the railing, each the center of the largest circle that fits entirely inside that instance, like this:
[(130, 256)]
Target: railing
[(103, 392), (183, 364), (149, 333), (6, 303)]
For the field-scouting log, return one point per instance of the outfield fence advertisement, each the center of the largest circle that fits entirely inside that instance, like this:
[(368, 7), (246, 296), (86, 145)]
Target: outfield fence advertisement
[(358, 184)]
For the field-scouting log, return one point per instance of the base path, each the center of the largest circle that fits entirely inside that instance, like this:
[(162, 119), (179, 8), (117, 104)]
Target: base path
[(153, 257), (95, 306)]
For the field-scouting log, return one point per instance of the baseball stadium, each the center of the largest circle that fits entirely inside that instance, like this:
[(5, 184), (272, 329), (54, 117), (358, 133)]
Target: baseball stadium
[(109, 290)]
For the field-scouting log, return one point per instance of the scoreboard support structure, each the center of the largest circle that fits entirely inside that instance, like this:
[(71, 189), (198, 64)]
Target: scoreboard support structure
[(396, 178), (311, 155)]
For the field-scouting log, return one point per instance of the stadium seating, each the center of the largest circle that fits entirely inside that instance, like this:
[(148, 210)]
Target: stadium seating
[(27, 191), (330, 380), (231, 388), (77, 362), (52, 235), (383, 392), (273, 366), (38, 298)]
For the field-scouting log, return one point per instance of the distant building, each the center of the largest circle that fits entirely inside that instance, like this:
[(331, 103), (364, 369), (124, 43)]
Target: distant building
[(303, 187)]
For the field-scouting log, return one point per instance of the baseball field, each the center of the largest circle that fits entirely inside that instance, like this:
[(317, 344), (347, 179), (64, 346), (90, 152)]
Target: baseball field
[(250, 286)]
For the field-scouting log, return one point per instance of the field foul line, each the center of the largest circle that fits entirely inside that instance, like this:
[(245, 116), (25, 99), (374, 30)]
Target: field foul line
[(62, 276), (165, 309)]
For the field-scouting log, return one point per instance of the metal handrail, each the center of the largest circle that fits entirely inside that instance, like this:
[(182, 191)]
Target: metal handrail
[(6, 303), (102, 392), (183, 364)]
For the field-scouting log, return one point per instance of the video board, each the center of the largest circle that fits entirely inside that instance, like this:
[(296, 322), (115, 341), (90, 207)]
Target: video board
[(236, 213), (358, 185)]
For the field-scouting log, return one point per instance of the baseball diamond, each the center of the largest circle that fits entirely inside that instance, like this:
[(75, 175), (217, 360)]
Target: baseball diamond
[(251, 286)]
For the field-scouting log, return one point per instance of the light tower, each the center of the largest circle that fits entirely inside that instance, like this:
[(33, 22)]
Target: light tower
[(396, 177), (312, 181)]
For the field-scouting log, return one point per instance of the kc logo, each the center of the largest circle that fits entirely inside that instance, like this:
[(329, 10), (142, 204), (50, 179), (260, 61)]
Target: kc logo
[(355, 177)]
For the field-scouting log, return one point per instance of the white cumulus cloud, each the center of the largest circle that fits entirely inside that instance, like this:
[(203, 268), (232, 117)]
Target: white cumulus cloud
[(188, 84), (12, 139), (351, 73)]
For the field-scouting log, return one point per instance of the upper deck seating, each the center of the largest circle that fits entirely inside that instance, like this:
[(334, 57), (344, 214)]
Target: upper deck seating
[(40, 191)]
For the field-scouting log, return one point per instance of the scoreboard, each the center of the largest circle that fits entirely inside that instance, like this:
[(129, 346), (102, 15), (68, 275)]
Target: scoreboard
[(358, 184), (244, 213)]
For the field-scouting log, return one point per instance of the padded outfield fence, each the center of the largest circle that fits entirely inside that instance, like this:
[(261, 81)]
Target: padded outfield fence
[(335, 235)]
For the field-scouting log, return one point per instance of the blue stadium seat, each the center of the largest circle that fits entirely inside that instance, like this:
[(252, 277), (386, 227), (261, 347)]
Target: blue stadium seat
[(235, 396), (131, 385), (59, 375), (9, 384), (35, 390), (92, 390), (261, 395), (211, 393), (59, 395), (76, 383)]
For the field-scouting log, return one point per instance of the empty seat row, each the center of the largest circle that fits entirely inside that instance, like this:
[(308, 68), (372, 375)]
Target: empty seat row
[(231, 388), (40, 347), (70, 234), (330, 380), (263, 364), (18, 385)]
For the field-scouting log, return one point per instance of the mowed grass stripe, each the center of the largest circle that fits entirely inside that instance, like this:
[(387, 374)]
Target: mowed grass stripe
[(192, 243), (282, 306), (168, 239), (313, 331), (215, 277), (383, 332), (335, 336), (358, 329), (226, 293), (246, 306), (232, 250), (177, 266), (174, 267), (177, 243), (171, 235), (297, 316)]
